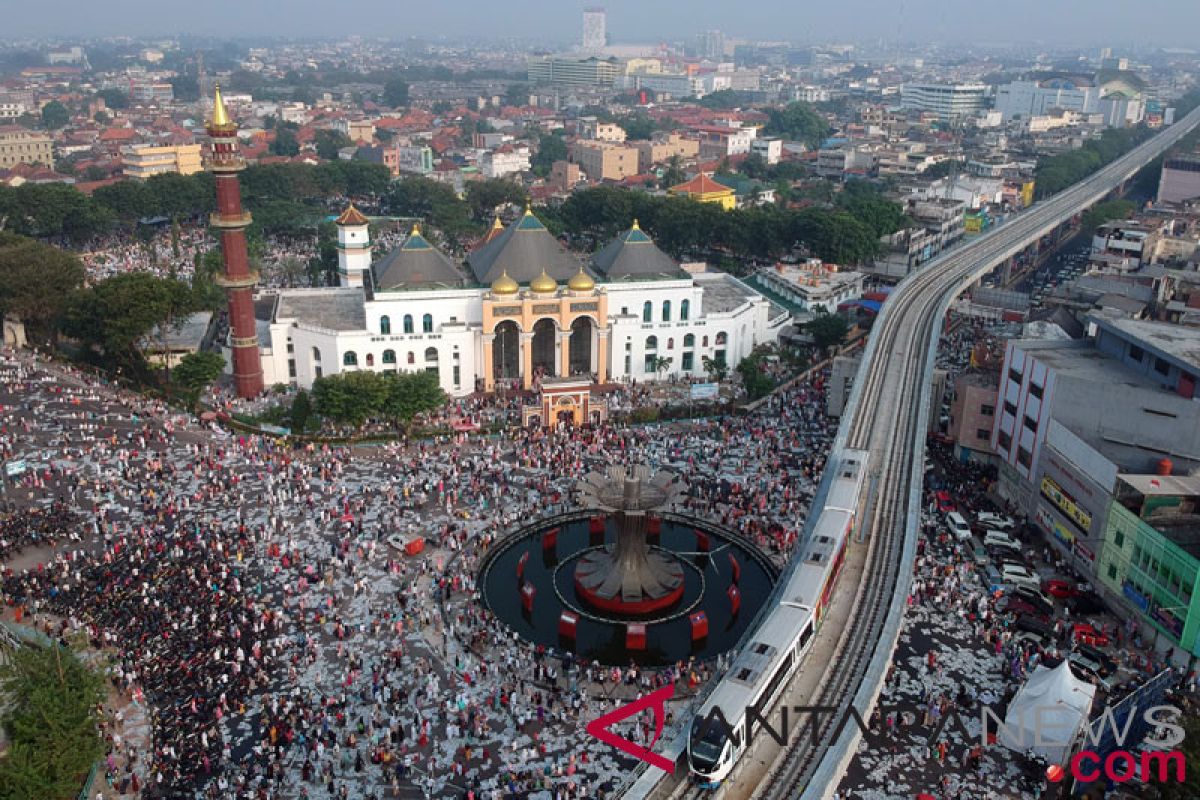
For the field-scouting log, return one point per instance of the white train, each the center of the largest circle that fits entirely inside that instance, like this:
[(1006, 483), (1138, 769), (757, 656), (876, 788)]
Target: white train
[(783, 639)]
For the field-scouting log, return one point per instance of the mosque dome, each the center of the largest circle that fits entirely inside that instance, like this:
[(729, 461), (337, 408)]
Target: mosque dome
[(505, 285), (543, 284), (581, 282)]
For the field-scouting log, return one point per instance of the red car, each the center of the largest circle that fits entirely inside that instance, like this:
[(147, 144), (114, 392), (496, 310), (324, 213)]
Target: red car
[(944, 503), (1086, 634), (1057, 587)]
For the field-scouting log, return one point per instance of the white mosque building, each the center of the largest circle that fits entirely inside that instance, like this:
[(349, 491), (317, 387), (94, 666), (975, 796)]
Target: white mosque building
[(520, 311)]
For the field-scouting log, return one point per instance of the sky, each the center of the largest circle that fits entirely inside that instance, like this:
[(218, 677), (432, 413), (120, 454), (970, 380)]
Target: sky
[(1138, 22)]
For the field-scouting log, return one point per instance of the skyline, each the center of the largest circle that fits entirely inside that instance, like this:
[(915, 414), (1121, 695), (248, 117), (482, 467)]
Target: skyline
[(1071, 22)]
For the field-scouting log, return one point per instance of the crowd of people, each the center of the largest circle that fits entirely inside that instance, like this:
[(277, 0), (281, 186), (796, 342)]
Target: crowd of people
[(256, 599)]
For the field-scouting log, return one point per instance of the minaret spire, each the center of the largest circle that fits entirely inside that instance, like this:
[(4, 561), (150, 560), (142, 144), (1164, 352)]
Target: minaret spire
[(231, 221)]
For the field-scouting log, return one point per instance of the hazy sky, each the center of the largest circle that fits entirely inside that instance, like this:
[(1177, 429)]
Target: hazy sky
[(1142, 22)]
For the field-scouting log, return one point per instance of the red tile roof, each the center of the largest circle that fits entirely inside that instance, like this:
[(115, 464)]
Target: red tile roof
[(701, 184)]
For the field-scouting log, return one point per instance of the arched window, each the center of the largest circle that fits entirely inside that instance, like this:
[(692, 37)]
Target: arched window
[(408, 325), (370, 359), (431, 354), (689, 341), (389, 356), (350, 359), (316, 355), (647, 311), (651, 342), (427, 323), (721, 338), (666, 310), (671, 343), (385, 325), (684, 307), (412, 358)]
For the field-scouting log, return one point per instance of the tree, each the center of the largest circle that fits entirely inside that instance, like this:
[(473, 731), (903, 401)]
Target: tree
[(55, 115), (119, 313), (301, 412), (483, 197), (662, 364), (286, 143), (329, 142), (196, 371), (718, 370), (410, 394), (35, 282), (52, 721), (1101, 213), (827, 330), (551, 148), (395, 93), (349, 398), (866, 204), (114, 98), (798, 122), (674, 174), (754, 378), (128, 200), (517, 94)]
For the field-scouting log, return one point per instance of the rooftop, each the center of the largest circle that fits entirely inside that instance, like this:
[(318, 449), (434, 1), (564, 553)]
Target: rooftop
[(1174, 341), (335, 309), (723, 293)]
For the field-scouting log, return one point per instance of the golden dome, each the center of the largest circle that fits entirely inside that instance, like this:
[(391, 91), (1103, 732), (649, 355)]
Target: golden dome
[(543, 284), (220, 117), (581, 282), (505, 285)]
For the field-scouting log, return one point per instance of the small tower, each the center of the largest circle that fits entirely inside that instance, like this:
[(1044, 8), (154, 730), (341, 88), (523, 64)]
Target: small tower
[(354, 246)]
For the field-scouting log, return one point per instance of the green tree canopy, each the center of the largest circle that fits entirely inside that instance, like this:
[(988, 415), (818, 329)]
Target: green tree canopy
[(395, 93), (52, 722), (828, 330), (285, 143), (351, 398), (865, 203), (196, 371), (797, 122), (35, 282), (329, 142), (55, 115), (119, 313), (551, 148), (483, 197), (114, 98)]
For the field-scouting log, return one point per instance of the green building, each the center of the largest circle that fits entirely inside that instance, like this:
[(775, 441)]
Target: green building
[(1151, 553)]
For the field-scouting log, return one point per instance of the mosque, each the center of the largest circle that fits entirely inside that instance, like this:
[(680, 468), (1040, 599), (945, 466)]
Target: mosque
[(520, 311)]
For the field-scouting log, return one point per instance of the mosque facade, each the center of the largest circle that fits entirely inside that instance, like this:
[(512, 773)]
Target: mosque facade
[(521, 310)]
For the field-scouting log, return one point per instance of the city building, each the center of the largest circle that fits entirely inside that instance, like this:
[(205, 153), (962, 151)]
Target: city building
[(949, 101), (605, 161), (595, 29), (573, 71), (592, 128), (1026, 99), (841, 382), (720, 141), (1180, 178), (148, 92), (520, 310), (507, 160), (812, 284), (1128, 389), (143, 160), (417, 159), (769, 149), (357, 130), (662, 147), (564, 176), (710, 44), (972, 414), (21, 146), (10, 111), (706, 190)]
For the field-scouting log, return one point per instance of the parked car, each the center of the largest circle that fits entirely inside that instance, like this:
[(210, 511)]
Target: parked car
[(990, 576), (1012, 604), (999, 537), (1107, 665), (1035, 599), (1035, 626), (1086, 603), (1085, 667), (987, 520), (1005, 551), (958, 525), (1019, 576), (1057, 587), (1083, 633), (944, 503)]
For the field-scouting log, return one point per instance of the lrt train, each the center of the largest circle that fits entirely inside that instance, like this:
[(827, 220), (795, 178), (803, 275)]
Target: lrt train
[(780, 643)]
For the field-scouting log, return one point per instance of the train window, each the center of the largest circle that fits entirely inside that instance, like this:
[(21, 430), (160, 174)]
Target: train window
[(806, 635), (761, 648), (824, 539), (744, 674), (816, 557), (764, 699)]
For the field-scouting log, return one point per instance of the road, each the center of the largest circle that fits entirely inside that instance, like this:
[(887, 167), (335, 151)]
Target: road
[(885, 416)]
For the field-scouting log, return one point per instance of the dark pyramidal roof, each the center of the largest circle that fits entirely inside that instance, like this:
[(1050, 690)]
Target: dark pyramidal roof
[(417, 264), (634, 256), (523, 250)]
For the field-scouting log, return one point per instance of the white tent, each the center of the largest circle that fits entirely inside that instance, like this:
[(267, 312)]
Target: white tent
[(1048, 713)]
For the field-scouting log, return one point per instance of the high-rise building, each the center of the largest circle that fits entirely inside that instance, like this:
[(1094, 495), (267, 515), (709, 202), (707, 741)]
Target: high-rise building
[(710, 44), (948, 101), (595, 33), (232, 220), (568, 71)]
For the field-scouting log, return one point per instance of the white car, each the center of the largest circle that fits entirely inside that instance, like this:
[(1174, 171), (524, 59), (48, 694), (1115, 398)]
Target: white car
[(958, 525), (1019, 576), (994, 522), (998, 538)]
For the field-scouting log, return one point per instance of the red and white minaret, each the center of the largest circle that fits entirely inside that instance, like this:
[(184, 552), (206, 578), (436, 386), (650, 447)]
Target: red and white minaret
[(231, 220)]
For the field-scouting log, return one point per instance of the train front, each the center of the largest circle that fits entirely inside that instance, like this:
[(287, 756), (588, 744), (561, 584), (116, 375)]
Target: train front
[(710, 753)]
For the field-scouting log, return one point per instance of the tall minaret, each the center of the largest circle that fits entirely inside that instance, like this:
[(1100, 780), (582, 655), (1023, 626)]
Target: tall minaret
[(354, 246), (225, 163)]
